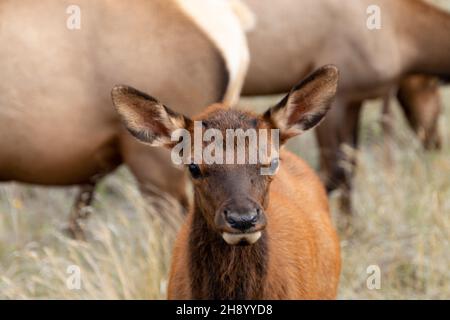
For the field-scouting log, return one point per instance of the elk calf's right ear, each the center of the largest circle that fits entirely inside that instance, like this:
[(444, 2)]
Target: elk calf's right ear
[(306, 104), (146, 118)]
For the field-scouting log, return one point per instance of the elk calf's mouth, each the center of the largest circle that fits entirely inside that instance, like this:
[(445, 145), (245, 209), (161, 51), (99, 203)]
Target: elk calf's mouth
[(241, 238)]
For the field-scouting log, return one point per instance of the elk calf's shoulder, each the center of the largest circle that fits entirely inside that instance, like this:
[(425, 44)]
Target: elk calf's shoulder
[(256, 230)]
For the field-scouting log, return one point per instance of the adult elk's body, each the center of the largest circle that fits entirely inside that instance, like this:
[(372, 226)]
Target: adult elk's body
[(57, 126), (293, 37), (249, 235)]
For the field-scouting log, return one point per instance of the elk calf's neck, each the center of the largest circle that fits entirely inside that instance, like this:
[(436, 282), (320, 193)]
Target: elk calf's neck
[(257, 230)]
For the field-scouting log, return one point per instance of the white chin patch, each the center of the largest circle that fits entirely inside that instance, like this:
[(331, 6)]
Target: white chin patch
[(233, 238)]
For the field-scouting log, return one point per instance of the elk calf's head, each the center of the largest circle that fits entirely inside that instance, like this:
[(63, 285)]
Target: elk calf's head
[(232, 196)]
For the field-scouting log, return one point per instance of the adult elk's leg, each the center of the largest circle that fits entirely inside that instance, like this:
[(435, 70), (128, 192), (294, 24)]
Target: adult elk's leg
[(107, 159), (421, 102), (387, 126), (81, 210), (337, 136)]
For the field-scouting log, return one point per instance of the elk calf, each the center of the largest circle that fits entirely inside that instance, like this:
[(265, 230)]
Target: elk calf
[(248, 235)]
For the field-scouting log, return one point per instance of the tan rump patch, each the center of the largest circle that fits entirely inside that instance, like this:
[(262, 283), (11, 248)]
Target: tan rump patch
[(245, 14), (222, 25)]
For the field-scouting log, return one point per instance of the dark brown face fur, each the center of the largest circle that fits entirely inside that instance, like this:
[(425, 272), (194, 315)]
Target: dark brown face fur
[(221, 189)]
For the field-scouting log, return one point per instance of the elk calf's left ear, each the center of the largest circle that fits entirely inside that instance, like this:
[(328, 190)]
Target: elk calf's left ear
[(146, 118), (306, 104)]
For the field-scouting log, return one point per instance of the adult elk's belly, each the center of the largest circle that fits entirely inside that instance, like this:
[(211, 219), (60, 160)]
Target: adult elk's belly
[(53, 146)]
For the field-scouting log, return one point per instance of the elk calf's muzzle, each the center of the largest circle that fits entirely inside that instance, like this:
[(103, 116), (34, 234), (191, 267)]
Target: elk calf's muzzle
[(241, 224)]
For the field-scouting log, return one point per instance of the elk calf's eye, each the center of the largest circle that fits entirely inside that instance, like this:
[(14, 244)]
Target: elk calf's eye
[(194, 170), (274, 164)]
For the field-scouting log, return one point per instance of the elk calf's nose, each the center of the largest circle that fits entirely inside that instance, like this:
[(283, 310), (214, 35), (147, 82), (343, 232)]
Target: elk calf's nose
[(242, 221)]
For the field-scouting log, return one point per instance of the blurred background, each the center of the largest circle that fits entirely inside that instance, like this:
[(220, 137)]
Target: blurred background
[(401, 223)]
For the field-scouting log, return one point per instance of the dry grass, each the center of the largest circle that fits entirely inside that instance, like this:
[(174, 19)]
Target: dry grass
[(127, 255), (401, 224), (402, 221)]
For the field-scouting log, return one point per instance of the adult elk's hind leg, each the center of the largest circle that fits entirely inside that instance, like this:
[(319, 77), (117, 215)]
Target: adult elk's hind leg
[(81, 210), (420, 100), (387, 126), (107, 159), (337, 137)]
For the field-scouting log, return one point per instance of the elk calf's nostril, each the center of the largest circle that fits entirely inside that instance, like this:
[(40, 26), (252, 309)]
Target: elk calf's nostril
[(231, 217)]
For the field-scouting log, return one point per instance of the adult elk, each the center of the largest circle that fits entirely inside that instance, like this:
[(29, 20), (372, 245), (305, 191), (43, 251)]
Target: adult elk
[(57, 125), (293, 37), (248, 235)]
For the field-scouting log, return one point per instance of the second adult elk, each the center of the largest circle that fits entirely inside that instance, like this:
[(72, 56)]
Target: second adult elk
[(292, 37)]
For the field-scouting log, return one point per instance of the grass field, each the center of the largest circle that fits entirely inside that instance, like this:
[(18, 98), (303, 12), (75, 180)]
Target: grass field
[(401, 224)]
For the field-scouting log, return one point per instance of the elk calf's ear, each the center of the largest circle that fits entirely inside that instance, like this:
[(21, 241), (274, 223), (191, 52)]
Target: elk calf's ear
[(146, 118), (306, 104)]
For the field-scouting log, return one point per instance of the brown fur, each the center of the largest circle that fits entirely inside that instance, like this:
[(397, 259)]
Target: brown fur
[(421, 102), (218, 270)]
